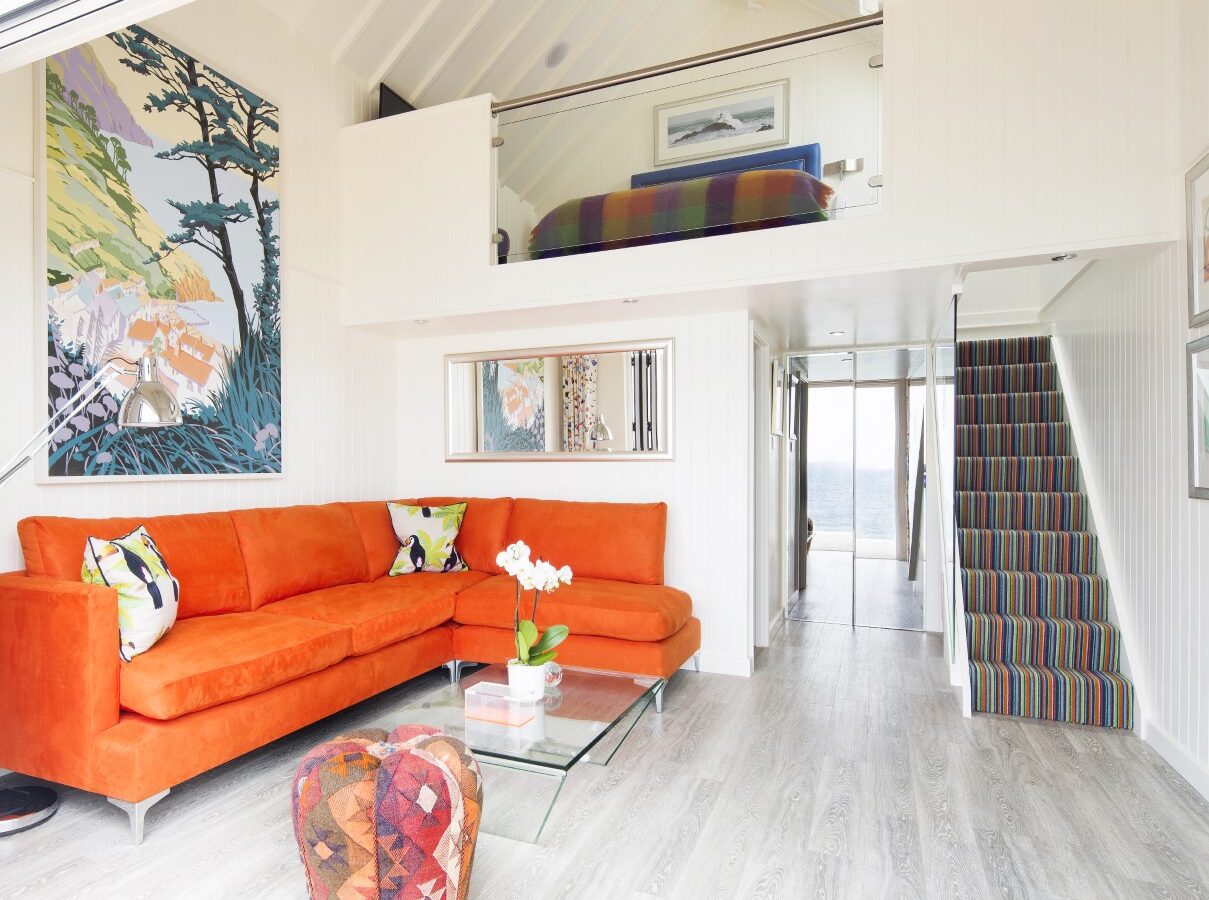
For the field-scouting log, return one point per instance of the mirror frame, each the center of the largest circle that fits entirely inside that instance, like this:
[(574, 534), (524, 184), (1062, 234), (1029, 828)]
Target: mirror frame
[(667, 345)]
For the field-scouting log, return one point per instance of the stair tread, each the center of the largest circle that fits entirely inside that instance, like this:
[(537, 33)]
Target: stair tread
[(1030, 667)]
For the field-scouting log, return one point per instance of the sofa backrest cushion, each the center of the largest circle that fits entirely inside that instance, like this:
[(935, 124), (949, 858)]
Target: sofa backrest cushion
[(484, 531), (201, 550), (616, 541), (293, 550)]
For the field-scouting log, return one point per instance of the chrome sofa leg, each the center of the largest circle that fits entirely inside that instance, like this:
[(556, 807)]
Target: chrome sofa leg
[(696, 662), (659, 697), (455, 670), (138, 812)]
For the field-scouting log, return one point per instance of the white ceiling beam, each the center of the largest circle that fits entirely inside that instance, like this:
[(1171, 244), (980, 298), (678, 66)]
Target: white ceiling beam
[(299, 14), (470, 87), (571, 11), (405, 41), (455, 45), (353, 33)]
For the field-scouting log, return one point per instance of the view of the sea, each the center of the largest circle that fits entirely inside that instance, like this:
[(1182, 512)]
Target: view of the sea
[(830, 499)]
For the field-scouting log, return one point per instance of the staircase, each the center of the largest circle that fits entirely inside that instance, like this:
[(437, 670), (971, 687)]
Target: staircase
[(1040, 643)]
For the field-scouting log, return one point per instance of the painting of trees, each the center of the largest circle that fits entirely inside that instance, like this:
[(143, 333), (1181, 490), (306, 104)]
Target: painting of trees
[(165, 201)]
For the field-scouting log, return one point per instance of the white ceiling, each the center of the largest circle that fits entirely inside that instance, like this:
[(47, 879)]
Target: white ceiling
[(434, 51)]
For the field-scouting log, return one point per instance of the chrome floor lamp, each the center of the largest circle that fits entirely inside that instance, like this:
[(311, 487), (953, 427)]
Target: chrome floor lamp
[(146, 405)]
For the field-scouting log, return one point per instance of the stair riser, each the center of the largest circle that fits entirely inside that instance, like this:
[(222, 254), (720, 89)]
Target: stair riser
[(1031, 512), (1014, 440), (1007, 379), (1062, 643), (1046, 474), (1029, 551), (1059, 596), (1082, 697), (1010, 409), (1004, 352)]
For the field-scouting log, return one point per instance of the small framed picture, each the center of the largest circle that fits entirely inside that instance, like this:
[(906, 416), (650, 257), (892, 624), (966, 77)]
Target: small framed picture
[(1198, 419), (1196, 208), (721, 124), (777, 413)]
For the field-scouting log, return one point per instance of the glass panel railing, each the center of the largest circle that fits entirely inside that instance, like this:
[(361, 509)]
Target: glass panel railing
[(784, 137)]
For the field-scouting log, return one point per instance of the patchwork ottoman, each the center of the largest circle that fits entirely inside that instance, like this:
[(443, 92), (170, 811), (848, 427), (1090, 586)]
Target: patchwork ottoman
[(392, 818)]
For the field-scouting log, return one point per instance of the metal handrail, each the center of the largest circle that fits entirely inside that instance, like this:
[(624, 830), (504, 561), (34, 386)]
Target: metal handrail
[(691, 62)]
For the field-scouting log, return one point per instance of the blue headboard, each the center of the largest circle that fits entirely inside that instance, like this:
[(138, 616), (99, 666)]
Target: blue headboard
[(806, 158)]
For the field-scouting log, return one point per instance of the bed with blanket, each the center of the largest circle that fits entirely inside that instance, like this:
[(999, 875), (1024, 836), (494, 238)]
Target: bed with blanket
[(746, 193)]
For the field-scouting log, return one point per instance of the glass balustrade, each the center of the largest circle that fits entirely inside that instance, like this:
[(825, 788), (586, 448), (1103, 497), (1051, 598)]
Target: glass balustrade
[(785, 137)]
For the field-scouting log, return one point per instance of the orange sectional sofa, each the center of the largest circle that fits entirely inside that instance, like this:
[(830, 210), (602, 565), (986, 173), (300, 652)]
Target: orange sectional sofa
[(287, 615)]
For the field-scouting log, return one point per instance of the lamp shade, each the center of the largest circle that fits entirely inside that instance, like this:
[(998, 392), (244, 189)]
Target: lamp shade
[(148, 404), (601, 431)]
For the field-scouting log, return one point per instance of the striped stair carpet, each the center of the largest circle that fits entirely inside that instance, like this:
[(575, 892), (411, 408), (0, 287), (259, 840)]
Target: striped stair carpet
[(1040, 641)]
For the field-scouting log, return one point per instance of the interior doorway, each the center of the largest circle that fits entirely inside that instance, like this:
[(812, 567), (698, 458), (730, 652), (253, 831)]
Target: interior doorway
[(863, 421)]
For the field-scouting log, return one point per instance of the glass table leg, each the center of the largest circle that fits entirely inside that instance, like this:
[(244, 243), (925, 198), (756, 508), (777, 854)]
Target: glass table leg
[(517, 802), (603, 751)]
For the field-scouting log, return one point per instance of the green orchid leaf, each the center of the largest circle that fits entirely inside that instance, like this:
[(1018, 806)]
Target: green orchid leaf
[(554, 636), (542, 658), (522, 648), (529, 630)]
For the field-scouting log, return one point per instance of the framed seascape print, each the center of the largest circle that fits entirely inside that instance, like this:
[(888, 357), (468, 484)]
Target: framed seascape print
[(512, 405), (1196, 208), (722, 124), (161, 225), (1198, 419)]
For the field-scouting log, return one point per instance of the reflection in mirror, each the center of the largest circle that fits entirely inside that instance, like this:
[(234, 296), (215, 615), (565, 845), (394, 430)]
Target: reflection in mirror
[(560, 402)]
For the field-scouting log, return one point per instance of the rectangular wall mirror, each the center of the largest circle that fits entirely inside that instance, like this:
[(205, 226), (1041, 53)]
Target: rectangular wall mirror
[(599, 401)]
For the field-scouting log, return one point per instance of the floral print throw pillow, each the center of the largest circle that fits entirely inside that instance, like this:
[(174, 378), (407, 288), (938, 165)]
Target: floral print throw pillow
[(426, 538)]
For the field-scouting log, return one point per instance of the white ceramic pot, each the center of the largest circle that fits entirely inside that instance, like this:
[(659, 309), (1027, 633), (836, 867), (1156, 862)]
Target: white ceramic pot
[(526, 682)]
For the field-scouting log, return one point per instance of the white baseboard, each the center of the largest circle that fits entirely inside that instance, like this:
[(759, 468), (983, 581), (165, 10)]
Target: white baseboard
[(717, 664), (1192, 769)]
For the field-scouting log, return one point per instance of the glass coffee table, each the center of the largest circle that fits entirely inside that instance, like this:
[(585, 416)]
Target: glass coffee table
[(585, 719)]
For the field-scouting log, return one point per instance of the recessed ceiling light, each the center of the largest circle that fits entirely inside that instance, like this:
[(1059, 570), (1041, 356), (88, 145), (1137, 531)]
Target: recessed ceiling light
[(557, 54), (420, 321), (1063, 257), (837, 333), (630, 300)]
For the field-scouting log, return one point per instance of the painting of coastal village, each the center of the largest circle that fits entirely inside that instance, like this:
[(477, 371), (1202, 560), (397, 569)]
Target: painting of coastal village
[(162, 239)]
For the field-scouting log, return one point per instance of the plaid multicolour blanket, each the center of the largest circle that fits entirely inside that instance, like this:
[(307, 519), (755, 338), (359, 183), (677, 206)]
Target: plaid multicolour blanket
[(720, 204)]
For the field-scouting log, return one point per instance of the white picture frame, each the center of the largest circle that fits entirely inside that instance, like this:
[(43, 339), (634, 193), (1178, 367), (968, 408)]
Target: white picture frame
[(1198, 419), (1196, 211), (684, 129), (777, 413)]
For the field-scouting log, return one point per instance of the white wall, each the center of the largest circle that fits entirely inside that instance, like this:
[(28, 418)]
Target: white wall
[(705, 485), (1120, 332), (996, 298), (338, 384)]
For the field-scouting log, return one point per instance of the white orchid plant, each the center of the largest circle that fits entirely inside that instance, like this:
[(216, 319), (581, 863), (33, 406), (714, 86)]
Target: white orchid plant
[(533, 649)]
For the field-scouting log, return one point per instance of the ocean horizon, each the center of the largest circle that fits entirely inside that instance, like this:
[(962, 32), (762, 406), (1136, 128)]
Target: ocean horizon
[(829, 499)]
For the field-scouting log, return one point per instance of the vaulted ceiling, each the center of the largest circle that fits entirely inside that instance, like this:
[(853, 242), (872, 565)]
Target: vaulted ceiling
[(434, 51)]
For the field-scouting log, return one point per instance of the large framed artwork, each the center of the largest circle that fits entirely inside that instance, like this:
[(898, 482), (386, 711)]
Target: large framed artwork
[(1196, 209), (512, 404), (721, 124), (1198, 419), (161, 219)]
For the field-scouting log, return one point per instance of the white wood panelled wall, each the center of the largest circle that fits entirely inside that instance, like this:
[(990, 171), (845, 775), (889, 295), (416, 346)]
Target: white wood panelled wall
[(339, 384), (705, 485), (1120, 331)]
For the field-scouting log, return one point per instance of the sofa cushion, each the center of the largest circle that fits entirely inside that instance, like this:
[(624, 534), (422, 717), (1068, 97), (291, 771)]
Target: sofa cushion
[(380, 613), (291, 550), (427, 536), (209, 660), (202, 551), (483, 533), (148, 595), (615, 541), (634, 612)]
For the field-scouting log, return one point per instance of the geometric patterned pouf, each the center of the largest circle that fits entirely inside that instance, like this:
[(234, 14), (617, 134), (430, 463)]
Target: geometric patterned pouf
[(388, 818)]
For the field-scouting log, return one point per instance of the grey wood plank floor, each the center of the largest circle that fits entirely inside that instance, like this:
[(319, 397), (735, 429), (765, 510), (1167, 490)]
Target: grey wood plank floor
[(842, 768)]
